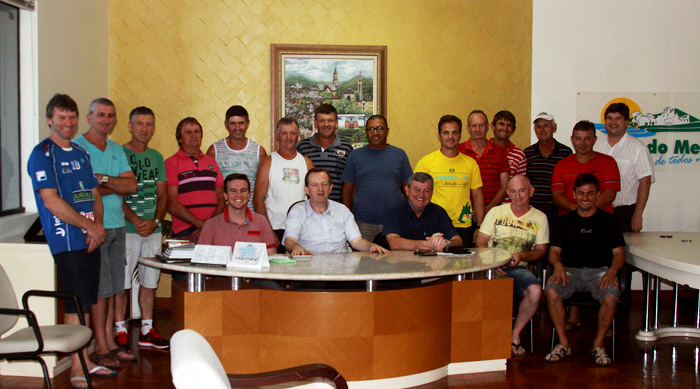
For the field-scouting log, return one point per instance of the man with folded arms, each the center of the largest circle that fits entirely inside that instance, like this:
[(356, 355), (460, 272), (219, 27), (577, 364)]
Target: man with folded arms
[(523, 231), (417, 224), (587, 250)]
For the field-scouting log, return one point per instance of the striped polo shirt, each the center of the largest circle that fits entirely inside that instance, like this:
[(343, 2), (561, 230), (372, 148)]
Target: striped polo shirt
[(332, 159), (491, 163), (539, 171), (197, 180)]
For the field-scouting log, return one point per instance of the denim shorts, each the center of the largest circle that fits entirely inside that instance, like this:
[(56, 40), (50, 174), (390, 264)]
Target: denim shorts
[(522, 278), (585, 279)]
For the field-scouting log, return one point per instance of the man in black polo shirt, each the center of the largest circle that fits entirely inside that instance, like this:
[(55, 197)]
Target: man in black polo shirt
[(587, 250), (416, 223)]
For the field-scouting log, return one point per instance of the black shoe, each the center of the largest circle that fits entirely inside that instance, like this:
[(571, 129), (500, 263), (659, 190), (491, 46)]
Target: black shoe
[(153, 339)]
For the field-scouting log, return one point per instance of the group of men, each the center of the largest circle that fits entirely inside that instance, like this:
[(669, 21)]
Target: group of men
[(318, 195)]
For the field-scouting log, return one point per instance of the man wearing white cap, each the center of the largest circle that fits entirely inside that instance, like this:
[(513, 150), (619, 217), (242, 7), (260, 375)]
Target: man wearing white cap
[(541, 159)]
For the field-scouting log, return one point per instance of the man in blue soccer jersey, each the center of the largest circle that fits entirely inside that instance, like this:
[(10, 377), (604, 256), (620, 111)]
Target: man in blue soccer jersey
[(70, 208)]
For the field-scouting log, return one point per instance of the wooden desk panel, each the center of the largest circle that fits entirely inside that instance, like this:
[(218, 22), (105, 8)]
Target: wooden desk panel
[(364, 335)]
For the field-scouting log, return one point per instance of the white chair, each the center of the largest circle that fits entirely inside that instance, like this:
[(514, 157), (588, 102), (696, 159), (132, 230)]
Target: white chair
[(30, 342), (194, 365)]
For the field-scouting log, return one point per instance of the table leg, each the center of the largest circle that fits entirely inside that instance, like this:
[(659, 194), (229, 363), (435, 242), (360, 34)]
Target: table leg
[(489, 274), (657, 286), (371, 285), (646, 334), (236, 283), (195, 282), (697, 314), (675, 304)]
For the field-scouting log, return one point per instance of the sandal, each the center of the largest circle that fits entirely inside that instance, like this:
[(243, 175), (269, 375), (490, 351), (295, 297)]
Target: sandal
[(74, 382), (601, 358), (517, 349), (114, 353), (107, 372), (109, 359), (558, 354)]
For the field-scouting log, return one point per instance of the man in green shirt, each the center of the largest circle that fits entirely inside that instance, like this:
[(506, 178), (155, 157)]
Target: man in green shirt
[(144, 212)]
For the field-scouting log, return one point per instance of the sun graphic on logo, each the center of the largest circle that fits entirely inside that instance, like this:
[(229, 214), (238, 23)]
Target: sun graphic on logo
[(634, 107)]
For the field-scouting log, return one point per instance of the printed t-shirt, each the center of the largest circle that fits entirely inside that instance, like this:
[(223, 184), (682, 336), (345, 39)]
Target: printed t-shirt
[(149, 168), (515, 234), (453, 179)]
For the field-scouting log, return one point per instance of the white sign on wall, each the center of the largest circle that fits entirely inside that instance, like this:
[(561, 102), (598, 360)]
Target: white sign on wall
[(667, 123)]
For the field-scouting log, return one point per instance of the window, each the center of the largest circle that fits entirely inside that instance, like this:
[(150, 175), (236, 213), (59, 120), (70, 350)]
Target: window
[(11, 168)]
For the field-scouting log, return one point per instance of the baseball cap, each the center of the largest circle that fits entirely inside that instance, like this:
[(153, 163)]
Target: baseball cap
[(545, 116)]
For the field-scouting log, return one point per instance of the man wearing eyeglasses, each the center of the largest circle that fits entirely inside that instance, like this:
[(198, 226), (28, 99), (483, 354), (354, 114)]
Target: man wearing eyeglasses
[(374, 178)]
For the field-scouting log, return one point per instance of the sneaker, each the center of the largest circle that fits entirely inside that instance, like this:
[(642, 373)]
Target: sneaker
[(153, 339), (123, 340)]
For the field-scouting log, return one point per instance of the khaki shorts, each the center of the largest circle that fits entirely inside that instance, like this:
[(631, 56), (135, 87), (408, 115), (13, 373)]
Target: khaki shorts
[(138, 246)]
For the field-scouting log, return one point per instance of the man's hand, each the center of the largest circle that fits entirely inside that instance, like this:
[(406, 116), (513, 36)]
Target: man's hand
[(375, 248), (298, 250), (559, 275), (608, 280), (515, 259), (96, 235), (636, 222), (145, 227), (438, 242)]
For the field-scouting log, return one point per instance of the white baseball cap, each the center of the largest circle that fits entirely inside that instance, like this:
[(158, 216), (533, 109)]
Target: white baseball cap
[(545, 116)]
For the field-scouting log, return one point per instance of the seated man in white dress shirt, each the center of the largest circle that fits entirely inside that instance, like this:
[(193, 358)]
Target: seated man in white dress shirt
[(319, 225)]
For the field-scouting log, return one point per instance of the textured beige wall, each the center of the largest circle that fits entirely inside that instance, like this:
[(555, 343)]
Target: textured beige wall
[(197, 58)]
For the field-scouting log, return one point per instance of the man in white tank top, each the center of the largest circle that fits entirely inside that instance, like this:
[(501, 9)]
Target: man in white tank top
[(280, 179), (236, 153)]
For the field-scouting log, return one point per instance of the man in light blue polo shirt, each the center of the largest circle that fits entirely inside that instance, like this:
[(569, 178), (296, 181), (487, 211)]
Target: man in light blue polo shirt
[(116, 179), (319, 225)]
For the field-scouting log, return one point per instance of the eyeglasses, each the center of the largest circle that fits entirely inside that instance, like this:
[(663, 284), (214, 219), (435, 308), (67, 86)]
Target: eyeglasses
[(378, 129)]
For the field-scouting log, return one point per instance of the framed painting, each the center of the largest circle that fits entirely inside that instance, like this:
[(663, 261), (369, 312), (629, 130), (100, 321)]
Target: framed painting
[(351, 78)]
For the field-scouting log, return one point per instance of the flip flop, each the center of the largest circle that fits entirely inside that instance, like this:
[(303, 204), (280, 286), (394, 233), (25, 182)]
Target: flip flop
[(73, 381), (101, 359), (114, 353), (515, 349), (94, 370)]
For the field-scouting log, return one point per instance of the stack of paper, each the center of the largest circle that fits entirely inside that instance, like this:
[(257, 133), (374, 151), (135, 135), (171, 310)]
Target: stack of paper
[(179, 249)]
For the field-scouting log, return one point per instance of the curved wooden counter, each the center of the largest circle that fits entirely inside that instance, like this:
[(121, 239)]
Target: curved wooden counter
[(402, 337)]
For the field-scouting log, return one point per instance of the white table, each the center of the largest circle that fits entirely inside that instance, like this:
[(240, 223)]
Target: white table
[(673, 256)]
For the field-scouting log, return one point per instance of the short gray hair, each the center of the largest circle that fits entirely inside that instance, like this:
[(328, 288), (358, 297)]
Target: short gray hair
[(420, 177), (100, 101), (287, 120)]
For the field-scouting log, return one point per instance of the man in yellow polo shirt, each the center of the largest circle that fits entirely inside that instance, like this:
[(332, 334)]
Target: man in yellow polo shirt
[(457, 180)]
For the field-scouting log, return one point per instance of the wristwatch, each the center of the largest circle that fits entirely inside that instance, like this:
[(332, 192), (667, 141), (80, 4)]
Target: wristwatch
[(157, 222), (104, 180)]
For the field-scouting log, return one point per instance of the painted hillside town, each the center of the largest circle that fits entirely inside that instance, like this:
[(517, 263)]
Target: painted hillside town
[(347, 84)]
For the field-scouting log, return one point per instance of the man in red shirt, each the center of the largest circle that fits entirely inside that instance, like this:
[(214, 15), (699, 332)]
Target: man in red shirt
[(585, 160), (503, 126), (195, 185), (492, 159)]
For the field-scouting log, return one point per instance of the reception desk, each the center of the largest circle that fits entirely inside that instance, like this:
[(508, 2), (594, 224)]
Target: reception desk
[(391, 338)]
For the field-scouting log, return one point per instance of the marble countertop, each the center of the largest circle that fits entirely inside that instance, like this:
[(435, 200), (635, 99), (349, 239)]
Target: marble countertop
[(357, 266)]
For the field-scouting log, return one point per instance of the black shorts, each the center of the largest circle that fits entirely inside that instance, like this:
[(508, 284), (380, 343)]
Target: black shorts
[(79, 273)]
